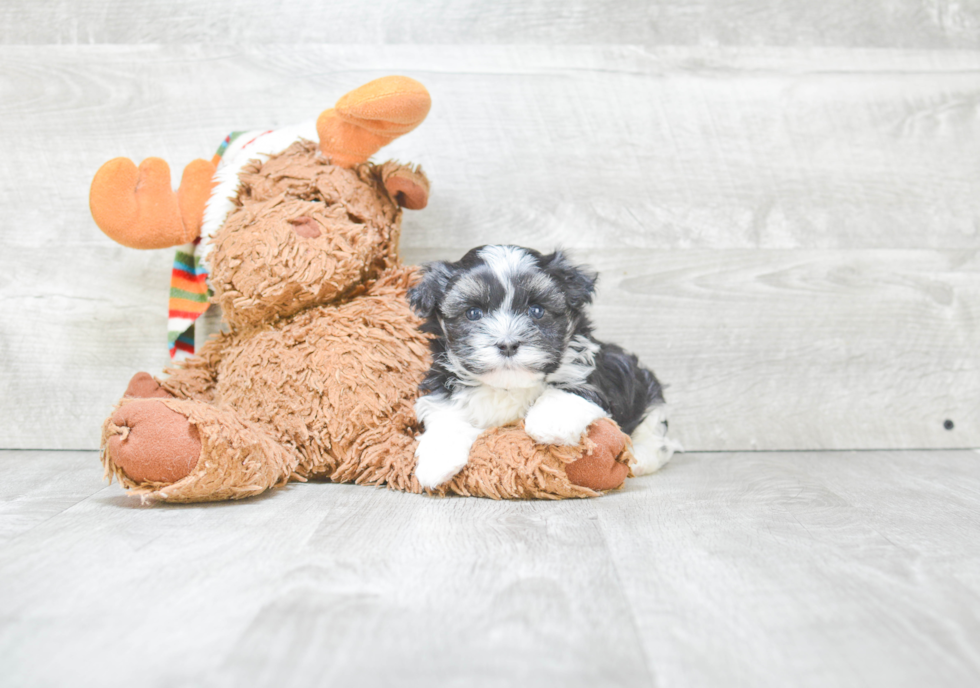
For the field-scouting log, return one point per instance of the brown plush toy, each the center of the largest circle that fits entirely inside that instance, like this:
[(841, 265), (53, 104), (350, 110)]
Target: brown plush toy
[(318, 369)]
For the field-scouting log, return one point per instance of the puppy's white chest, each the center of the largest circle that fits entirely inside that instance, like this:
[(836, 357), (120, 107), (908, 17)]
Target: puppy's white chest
[(488, 407)]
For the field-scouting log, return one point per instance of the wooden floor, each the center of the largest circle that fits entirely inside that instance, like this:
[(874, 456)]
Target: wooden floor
[(754, 569)]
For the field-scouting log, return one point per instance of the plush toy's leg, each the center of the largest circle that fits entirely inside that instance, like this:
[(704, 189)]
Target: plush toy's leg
[(152, 443), (137, 207), (505, 463), (188, 451)]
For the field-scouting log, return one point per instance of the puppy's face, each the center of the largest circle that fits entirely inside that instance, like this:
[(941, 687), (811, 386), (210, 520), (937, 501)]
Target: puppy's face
[(506, 314)]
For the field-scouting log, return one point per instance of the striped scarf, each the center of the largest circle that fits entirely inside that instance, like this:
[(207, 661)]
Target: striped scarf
[(189, 290), (189, 293)]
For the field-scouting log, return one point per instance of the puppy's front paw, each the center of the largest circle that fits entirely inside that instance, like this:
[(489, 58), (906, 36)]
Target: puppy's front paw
[(559, 417), (441, 455)]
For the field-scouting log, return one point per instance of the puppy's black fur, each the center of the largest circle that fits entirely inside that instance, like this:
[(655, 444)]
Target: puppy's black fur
[(614, 380), (622, 387)]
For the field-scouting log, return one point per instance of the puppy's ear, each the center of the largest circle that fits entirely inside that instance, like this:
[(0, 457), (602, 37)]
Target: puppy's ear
[(577, 282), (425, 296)]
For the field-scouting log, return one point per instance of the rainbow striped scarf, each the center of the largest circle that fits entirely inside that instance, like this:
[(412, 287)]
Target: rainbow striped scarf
[(189, 293), (189, 290)]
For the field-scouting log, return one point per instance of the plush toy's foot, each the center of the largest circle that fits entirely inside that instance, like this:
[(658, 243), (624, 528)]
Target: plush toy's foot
[(143, 386), (600, 470), (186, 450), (136, 206), (154, 443)]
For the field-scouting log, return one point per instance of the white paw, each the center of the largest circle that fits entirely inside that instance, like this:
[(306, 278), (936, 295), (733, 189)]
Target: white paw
[(441, 454), (651, 446), (559, 417)]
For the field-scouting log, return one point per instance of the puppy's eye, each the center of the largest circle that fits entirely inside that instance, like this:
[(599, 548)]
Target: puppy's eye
[(474, 313), (536, 312)]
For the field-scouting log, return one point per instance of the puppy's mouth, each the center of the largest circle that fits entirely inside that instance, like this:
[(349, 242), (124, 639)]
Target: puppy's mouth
[(488, 365), (511, 376), (511, 372)]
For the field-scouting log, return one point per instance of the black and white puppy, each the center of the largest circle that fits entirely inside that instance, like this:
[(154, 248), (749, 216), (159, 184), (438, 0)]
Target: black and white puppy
[(513, 340)]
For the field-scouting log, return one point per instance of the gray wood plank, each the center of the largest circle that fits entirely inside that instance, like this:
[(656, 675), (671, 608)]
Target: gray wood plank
[(36, 486), (836, 569), (807, 569), (622, 153), (936, 24), (341, 584)]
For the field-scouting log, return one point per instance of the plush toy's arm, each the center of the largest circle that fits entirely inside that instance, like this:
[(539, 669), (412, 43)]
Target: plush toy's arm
[(504, 463), (196, 377)]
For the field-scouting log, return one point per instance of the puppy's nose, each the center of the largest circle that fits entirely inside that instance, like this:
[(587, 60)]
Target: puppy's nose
[(508, 349)]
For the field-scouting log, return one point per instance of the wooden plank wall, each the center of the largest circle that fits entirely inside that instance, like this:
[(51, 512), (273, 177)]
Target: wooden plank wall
[(783, 198)]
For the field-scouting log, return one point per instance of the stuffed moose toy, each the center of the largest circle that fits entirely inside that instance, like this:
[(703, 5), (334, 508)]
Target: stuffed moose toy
[(316, 371)]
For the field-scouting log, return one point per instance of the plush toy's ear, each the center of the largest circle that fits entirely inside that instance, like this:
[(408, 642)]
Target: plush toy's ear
[(137, 207), (370, 117), (425, 296), (408, 186), (576, 281)]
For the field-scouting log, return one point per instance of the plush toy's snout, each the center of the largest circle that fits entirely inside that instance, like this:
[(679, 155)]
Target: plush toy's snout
[(306, 227)]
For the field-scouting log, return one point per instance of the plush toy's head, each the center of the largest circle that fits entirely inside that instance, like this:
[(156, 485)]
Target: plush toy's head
[(304, 232), (290, 228)]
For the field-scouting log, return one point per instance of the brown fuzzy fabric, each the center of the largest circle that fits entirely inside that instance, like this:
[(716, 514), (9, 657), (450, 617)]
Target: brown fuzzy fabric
[(195, 377), (319, 373), (143, 386), (237, 459), (263, 269), (328, 375), (507, 464), (602, 468), (152, 443)]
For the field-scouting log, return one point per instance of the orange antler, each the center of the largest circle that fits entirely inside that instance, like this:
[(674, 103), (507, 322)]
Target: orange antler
[(137, 207), (370, 117)]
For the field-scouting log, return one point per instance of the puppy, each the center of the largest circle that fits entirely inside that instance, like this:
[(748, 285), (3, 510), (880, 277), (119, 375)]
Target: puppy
[(513, 340)]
